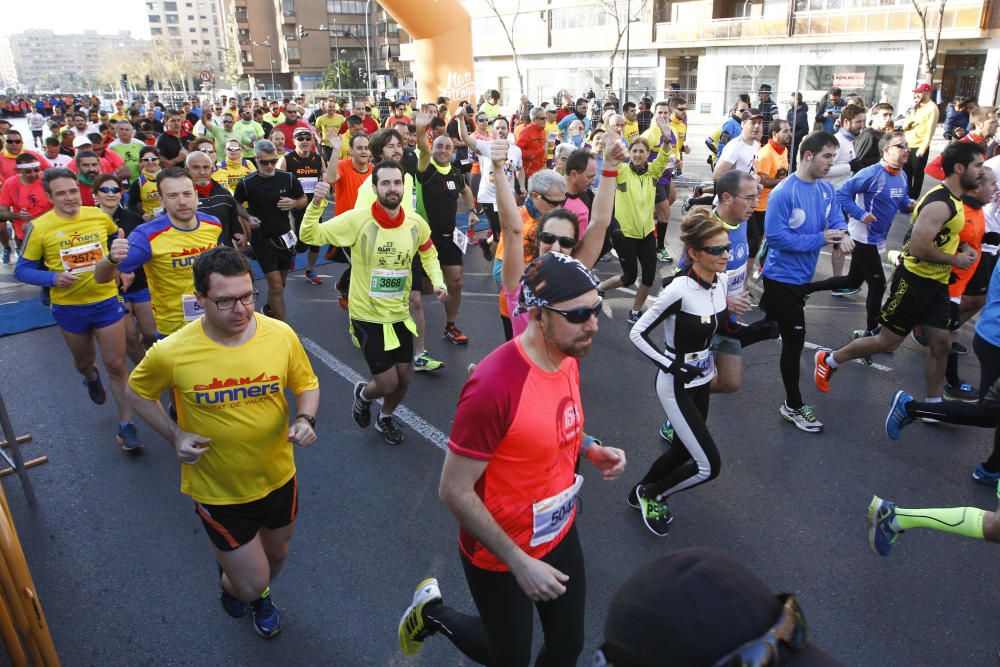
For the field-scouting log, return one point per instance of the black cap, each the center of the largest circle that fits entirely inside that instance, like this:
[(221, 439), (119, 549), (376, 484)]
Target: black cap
[(764, 88), (750, 114), (692, 608)]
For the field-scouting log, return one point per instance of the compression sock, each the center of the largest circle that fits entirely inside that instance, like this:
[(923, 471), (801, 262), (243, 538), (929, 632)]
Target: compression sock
[(966, 521), (951, 371)]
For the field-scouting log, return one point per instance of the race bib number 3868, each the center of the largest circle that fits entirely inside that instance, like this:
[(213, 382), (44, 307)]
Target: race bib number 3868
[(388, 283)]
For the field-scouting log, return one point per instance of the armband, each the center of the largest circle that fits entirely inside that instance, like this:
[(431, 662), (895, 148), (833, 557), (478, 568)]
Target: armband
[(610, 173)]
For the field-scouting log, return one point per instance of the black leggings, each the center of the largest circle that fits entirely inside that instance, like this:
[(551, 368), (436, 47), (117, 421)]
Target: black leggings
[(632, 251), (866, 267), (501, 634), (698, 460), (661, 235), (984, 413), (785, 304), (494, 217), (755, 233)]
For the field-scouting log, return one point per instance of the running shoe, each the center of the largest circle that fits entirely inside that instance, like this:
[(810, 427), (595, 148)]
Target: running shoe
[(313, 278), (390, 432), (265, 616), (803, 418), (362, 409), (453, 335), (917, 334), (233, 606), (959, 349), (961, 392), (632, 499), (664, 256), (898, 416), (484, 245), (128, 438), (633, 316), (470, 369), (266, 310), (667, 430), (881, 534), (845, 291), (95, 388), (413, 628), (655, 514), (6, 255), (342, 298), (424, 363), (984, 476), (823, 371)]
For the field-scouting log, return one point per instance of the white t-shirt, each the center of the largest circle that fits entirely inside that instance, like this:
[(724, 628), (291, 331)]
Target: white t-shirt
[(487, 189), (200, 130), (992, 210), (60, 160), (840, 172), (35, 121), (742, 156)]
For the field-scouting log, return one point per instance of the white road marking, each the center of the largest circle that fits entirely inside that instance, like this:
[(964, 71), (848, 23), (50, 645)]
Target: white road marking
[(404, 414), (878, 367)]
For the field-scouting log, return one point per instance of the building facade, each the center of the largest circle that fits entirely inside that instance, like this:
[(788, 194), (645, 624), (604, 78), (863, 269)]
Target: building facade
[(197, 31), (8, 71), (45, 60)]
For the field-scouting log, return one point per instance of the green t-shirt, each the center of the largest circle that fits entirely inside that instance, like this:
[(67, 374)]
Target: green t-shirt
[(248, 131), (129, 154)]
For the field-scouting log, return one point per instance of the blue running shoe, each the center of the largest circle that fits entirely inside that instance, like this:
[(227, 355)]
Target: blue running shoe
[(667, 431), (95, 388), (234, 607), (898, 416), (265, 616), (984, 476), (881, 534), (128, 439)]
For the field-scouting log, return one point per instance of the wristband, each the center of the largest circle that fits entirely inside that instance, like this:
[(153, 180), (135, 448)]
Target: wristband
[(112, 261), (610, 173), (308, 418), (586, 443)]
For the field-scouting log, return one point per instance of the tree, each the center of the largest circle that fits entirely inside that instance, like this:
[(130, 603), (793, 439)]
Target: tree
[(341, 75), (618, 11), (929, 47), (232, 69), (508, 32)]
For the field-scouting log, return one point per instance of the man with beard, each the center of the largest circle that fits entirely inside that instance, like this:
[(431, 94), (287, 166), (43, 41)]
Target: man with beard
[(919, 126), (22, 199), (88, 166), (919, 290), (292, 124), (13, 146), (248, 130), (269, 194), (308, 167), (127, 147), (383, 238), (166, 248), (215, 200)]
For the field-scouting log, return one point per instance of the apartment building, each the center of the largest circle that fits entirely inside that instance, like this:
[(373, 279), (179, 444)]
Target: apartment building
[(716, 49), (8, 71), (196, 30), (45, 60)]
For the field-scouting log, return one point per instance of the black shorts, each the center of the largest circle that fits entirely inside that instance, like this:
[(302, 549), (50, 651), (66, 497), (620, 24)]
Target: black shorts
[(372, 343), (271, 254), (662, 193), (37, 134), (915, 300), (449, 254), (980, 280), (418, 274), (231, 526), (299, 245), (755, 226), (494, 218)]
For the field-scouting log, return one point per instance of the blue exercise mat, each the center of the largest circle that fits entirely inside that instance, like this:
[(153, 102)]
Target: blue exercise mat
[(21, 316)]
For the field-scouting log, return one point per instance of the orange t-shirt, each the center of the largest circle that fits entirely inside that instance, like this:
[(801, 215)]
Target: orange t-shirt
[(346, 187), (972, 234), (528, 227), (527, 424)]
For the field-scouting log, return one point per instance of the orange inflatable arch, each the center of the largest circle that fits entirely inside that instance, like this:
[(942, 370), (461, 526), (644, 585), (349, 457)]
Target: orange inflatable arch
[(442, 35)]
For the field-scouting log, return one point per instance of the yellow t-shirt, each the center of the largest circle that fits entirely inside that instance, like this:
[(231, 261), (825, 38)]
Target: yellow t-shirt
[(631, 130), (235, 396), (230, 173), (554, 135), (76, 246), (924, 121), (327, 126), (149, 193)]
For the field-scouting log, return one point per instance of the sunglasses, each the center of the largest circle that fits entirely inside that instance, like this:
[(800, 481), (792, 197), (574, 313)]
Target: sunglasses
[(579, 315), (109, 190), (904, 147), (268, 163), (150, 159), (717, 250), (232, 148), (790, 629), (567, 242), (14, 141), (551, 202)]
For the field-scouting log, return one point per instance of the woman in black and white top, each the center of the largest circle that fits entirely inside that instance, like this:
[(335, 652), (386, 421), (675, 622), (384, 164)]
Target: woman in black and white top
[(691, 308)]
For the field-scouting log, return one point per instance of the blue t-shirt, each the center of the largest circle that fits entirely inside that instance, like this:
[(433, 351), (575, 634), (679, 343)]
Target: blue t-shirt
[(884, 194), (988, 326), (797, 215)]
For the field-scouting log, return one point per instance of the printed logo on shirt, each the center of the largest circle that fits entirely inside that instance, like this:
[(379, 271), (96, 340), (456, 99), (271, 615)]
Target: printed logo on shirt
[(797, 218), (234, 391), (567, 422), (76, 238), (896, 193), (185, 258)]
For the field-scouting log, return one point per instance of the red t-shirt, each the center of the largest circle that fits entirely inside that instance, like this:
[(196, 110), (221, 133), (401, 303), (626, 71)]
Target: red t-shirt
[(8, 165), (562, 113), (371, 127), (531, 141), (20, 197), (346, 188), (528, 425), (289, 130)]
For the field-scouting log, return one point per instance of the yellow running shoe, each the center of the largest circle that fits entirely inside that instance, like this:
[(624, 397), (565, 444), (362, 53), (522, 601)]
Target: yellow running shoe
[(412, 630)]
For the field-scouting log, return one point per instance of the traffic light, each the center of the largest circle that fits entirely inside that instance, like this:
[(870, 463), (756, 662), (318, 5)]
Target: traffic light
[(301, 32)]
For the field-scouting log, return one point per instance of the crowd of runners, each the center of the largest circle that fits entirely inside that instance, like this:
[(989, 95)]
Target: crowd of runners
[(140, 226)]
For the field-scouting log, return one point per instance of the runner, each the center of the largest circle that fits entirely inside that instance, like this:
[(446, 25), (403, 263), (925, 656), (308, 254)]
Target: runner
[(269, 194), (772, 168), (234, 167), (532, 142), (22, 199), (216, 201), (127, 147), (143, 195), (919, 292), (60, 252), (636, 242), (802, 217), (852, 121), (666, 193), (352, 171), (742, 151), (328, 125), (308, 167), (509, 477), (232, 436), (383, 240)]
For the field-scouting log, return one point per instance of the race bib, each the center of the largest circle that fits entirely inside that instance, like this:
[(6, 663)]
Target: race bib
[(289, 239), (191, 308), (81, 258), (461, 239), (737, 279), (309, 184), (552, 514), (388, 283), (704, 361)]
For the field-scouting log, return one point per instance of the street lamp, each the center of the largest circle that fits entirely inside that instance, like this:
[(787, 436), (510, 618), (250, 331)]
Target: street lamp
[(270, 58), (336, 37)]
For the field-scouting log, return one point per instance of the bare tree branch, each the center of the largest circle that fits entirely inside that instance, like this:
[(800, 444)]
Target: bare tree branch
[(621, 22), (509, 34), (929, 47)]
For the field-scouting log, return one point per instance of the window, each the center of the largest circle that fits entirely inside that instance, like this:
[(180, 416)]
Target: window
[(156, 31), (241, 14), (345, 6), (243, 35), (172, 18), (194, 41), (174, 32), (154, 18), (288, 6), (151, 6), (579, 17), (246, 57), (170, 6), (204, 29), (192, 30), (190, 17), (205, 41), (293, 53)]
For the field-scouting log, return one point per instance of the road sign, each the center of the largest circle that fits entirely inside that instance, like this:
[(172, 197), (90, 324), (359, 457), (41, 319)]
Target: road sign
[(205, 75)]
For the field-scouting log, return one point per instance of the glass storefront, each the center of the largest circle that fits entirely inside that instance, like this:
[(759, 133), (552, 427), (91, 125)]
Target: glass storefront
[(871, 82)]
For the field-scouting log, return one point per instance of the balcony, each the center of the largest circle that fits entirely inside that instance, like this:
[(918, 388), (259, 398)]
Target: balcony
[(962, 18), (721, 30)]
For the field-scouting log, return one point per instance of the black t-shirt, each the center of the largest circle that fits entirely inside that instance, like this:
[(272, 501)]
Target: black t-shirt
[(220, 204), (439, 198), (308, 170), (127, 221), (170, 146), (261, 196), (409, 162)]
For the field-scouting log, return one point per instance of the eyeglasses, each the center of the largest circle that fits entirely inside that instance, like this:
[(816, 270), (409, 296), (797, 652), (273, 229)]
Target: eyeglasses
[(903, 147), (150, 159), (551, 202), (14, 141), (566, 242), (790, 629), (717, 250), (267, 163), (229, 302), (578, 315), (750, 199), (109, 190)]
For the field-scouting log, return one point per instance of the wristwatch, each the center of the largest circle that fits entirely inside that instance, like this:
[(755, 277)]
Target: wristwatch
[(308, 418)]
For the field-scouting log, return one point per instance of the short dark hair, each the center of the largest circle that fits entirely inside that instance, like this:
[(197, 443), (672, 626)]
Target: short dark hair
[(173, 173), (12, 131), (222, 260), (25, 158), (437, 121), (775, 126), (104, 178), (835, 91), (84, 154), (385, 164), (675, 101), (960, 153), (51, 141), (888, 138), (146, 150), (628, 105), (578, 160), (173, 112), (882, 106), (354, 119), (730, 182), (54, 173), (850, 112), (814, 142)]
